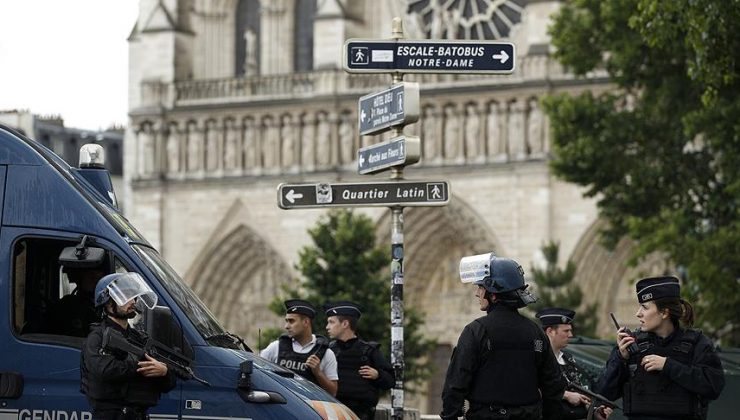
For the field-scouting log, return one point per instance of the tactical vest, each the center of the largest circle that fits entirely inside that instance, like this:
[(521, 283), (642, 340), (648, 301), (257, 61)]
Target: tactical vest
[(572, 374), (352, 386), (296, 362), (650, 393), (512, 355)]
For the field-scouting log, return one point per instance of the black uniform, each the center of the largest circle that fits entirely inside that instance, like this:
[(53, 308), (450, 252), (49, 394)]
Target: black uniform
[(504, 366), (360, 394), (691, 377), (296, 362), (573, 374), (74, 313), (110, 381)]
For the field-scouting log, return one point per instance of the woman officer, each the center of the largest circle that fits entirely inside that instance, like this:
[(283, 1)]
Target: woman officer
[(662, 371)]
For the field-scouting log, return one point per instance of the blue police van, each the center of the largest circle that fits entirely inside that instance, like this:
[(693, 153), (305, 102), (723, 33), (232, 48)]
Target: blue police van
[(47, 207)]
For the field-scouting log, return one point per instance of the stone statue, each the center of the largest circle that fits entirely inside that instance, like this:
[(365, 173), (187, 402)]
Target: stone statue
[(346, 140), (232, 155), (213, 148), (517, 148), (146, 150), (323, 140), (430, 137), (437, 23), (195, 154), (472, 133), (270, 143), (451, 20), (535, 130), (287, 135), (249, 145), (495, 134), (173, 149), (307, 142), (452, 135), (250, 53)]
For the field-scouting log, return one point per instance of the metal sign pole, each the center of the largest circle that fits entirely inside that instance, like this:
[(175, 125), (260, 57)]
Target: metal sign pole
[(397, 271)]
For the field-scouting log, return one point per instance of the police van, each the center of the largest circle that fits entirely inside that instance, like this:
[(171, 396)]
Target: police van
[(47, 207)]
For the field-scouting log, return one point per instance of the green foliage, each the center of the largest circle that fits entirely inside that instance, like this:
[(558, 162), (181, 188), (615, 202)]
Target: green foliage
[(555, 288), (345, 264), (660, 153)]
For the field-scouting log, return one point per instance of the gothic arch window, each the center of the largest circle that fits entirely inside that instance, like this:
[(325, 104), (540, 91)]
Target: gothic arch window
[(247, 38), (305, 12), (465, 19)]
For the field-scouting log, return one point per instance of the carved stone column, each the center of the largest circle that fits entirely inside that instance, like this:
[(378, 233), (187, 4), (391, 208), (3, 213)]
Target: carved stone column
[(289, 155), (496, 133), (194, 146), (431, 129), (516, 133), (232, 147), (535, 129), (308, 142), (474, 152), (452, 140), (251, 146), (270, 145)]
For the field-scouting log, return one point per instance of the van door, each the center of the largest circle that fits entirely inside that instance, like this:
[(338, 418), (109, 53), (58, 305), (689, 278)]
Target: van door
[(41, 341)]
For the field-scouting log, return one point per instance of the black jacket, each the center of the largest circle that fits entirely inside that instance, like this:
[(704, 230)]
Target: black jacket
[(492, 366), (110, 380), (703, 376), (353, 354)]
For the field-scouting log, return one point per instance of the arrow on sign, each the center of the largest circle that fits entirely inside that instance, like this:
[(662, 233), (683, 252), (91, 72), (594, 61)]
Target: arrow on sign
[(362, 115), (503, 57), (362, 160), (292, 195)]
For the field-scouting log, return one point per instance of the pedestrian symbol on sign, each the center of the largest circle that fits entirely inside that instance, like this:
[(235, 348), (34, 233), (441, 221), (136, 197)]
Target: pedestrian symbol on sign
[(359, 55), (434, 191)]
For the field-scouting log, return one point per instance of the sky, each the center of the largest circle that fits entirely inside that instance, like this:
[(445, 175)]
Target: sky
[(68, 58)]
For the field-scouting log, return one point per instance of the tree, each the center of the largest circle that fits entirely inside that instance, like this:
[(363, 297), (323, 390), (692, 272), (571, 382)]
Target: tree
[(661, 151), (555, 288), (345, 264)]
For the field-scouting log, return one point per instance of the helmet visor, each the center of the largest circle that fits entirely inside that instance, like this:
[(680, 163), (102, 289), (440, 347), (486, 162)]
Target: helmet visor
[(130, 286), (475, 268)]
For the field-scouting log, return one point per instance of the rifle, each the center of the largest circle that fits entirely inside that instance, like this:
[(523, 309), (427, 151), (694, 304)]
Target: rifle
[(177, 362), (597, 400)]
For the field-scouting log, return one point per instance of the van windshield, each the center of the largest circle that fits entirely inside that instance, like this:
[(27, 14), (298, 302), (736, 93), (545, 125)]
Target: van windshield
[(190, 304)]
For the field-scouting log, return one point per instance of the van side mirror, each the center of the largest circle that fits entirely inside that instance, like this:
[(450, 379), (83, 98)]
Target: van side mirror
[(161, 326), (81, 255)]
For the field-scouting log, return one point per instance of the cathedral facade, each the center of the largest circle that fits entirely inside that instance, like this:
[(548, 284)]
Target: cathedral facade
[(229, 98)]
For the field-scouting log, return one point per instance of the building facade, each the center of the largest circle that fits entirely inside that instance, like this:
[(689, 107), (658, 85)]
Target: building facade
[(229, 98)]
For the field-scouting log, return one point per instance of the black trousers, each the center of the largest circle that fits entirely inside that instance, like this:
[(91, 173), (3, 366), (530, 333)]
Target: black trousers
[(123, 413)]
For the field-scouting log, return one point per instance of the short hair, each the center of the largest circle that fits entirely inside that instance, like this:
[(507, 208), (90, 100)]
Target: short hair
[(351, 319)]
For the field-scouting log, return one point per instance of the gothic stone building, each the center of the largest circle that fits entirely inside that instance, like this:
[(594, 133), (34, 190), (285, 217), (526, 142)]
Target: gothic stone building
[(229, 98)]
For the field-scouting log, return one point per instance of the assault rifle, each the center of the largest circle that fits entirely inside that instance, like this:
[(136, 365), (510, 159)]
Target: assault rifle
[(597, 400), (177, 362)]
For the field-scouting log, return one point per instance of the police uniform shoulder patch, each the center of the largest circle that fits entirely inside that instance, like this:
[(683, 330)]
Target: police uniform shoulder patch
[(539, 346)]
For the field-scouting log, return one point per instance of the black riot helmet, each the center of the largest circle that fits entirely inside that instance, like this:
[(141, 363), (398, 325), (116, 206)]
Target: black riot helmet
[(503, 277)]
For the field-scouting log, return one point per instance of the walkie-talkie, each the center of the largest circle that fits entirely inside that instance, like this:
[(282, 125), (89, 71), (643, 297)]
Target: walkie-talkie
[(633, 347)]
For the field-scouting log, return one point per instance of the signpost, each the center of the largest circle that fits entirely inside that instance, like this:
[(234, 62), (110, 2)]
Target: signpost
[(393, 108), (364, 194), (398, 105), (398, 151), (428, 56)]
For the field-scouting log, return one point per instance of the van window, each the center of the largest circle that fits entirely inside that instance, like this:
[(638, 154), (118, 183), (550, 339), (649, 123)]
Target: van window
[(52, 303)]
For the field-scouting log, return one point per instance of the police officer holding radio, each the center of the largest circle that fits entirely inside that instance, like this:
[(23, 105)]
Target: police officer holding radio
[(363, 371), (302, 351), (118, 386), (557, 324), (502, 364), (663, 371)]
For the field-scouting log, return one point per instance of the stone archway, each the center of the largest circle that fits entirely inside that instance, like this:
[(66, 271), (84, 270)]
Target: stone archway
[(435, 238), (237, 278), (607, 278)]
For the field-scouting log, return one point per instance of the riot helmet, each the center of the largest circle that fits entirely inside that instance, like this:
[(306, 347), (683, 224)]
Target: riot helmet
[(503, 277), (121, 288)]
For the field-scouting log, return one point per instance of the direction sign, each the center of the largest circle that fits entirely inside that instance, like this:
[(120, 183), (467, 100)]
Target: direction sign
[(380, 111), (428, 56), (364, 194), (401, 150)]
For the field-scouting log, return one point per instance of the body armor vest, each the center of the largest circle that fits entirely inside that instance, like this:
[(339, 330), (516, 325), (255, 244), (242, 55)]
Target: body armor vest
[(572, 374), (650, 393), (352, 386), (296, 362), (513, 352)]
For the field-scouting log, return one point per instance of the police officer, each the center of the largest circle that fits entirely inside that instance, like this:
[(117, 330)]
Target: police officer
[(74, 313), (118, 386), (503, 364), (363, 371), (557, 324), (662, 371), (301, 351)]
